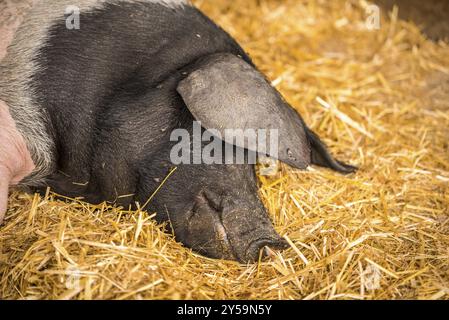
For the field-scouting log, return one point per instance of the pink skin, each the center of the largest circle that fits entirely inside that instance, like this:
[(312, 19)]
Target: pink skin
[(15, 159)]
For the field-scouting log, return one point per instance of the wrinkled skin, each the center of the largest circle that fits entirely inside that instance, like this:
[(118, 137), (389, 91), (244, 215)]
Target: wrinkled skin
[(15, 160)]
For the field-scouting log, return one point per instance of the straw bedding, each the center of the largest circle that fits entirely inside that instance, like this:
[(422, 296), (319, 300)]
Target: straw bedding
[(379, 98)]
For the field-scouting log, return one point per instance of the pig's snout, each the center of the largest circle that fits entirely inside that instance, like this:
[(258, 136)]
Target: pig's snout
[(254, 250), (249, 228), (221, 227)]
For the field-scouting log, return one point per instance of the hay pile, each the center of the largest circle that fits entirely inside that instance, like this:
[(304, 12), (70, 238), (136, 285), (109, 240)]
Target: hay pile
[(380, 99)]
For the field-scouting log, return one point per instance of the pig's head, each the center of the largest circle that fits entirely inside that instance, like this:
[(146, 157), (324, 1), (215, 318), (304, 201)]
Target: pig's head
[(215, 208)]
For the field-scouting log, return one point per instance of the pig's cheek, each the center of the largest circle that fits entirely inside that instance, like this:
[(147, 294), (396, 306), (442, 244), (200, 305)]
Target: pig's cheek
[(15, 159), (25, 165)]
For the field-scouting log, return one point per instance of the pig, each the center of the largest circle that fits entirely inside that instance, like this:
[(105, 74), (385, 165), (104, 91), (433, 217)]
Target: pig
[(89, 111)]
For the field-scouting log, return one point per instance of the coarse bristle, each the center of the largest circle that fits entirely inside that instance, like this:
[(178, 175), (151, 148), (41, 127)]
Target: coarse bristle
[(380, 100)]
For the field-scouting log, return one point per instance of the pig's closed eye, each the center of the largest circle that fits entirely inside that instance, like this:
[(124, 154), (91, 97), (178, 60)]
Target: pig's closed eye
[(212, 199), (205, 199)]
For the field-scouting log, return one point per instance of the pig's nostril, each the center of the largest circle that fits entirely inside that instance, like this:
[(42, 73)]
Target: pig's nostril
[(253, 252)]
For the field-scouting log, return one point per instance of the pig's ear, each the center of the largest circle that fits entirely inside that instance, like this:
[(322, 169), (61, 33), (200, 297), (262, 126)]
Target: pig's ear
[(222, 91), (322, 157)]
